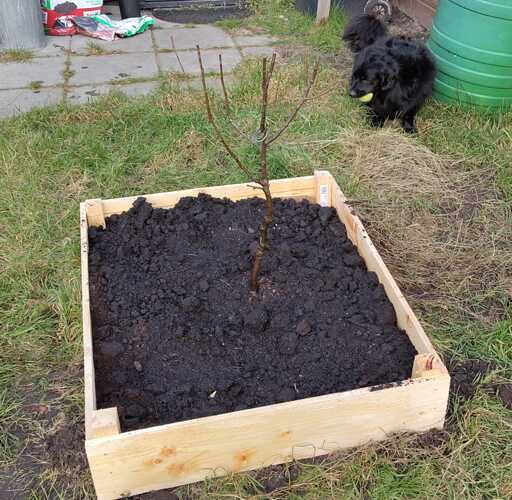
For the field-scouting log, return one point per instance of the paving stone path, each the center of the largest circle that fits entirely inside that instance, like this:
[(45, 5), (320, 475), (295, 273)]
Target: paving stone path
[(77, 69)]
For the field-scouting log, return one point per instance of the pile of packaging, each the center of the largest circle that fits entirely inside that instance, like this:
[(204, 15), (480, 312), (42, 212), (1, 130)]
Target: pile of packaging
[(61, 17)]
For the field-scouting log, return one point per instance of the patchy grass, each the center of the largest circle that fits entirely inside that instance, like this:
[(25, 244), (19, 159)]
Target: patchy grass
[(15, 55), (67, 73), (280, 18), (134, 79), (437, 206), (35, 85), (95, 49)]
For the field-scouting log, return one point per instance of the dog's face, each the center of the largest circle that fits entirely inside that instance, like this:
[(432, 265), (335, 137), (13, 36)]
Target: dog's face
[(372, 72)]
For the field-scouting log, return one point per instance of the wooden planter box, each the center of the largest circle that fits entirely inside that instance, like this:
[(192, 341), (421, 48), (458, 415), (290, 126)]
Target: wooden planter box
[(128, 463)]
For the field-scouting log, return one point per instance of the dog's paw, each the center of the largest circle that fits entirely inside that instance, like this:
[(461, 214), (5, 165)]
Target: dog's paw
[(409, 128)]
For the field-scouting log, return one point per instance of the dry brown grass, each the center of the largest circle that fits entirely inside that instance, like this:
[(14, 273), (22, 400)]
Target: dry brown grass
[(439, 222), (187, 152), (180, 98)]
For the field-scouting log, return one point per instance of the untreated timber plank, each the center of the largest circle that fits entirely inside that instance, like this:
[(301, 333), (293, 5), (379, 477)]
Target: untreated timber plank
[(300, 187), (89, 382), (94, 211), (322, 11), (406, 318), (104, 422), (185, 452)]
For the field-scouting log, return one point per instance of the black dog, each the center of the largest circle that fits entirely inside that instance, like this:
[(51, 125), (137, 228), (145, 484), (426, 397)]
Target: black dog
[(395, 75), (362, 32)]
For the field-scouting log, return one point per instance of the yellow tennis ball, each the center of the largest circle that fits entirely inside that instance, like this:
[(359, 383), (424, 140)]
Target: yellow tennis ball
[(367, 97)]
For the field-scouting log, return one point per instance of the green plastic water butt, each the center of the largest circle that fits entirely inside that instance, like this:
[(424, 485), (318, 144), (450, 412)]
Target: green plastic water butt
[(472, 43)]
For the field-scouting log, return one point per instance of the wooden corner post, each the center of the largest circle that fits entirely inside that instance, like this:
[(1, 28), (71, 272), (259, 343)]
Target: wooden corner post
[(322, 11)]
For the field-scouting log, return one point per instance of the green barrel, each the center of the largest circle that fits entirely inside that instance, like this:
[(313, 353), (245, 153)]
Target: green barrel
[(472, 43)]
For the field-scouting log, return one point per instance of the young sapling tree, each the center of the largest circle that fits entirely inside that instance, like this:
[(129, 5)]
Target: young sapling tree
[(262, 138)]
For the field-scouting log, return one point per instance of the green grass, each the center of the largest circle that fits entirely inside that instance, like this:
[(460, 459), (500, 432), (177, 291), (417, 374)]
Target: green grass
[(15, 55), (280, 18), (35, 85), (95, 49), (53, 158)]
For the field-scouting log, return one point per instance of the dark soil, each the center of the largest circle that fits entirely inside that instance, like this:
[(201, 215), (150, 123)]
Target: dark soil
[(177, 334), (465, 376), (402, 25), (432, 440), (505, 394), (200, 15), (66, 448)]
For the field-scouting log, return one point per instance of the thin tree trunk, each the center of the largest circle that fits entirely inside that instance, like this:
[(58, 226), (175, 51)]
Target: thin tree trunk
[(265, 223)]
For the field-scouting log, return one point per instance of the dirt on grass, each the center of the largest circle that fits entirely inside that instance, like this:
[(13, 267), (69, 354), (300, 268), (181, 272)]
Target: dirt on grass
[(178, 335), (403, 25), (466, 375), (66, 447)]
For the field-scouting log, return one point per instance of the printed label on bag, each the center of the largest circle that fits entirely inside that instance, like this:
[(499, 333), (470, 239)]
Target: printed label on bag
[(324, 195)]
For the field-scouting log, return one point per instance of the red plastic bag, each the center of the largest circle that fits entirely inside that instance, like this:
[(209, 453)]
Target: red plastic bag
[(57, 14)]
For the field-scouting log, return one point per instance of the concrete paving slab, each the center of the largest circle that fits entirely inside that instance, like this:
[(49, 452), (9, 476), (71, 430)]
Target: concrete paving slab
[(98, 69), (254, 40), (84, 45), (13, 102), (56, 46), (45, 70), (82, 95), (137, 89), (88, 93), (188, 38), (230, 58), (256, 52)]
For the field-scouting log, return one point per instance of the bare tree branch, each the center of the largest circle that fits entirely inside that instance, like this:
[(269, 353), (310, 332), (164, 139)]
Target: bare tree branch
[(227, 107), (226, 100), (177, 56), (261, 138), (322, 94), (263, 116), (299, 106), (213, 123)]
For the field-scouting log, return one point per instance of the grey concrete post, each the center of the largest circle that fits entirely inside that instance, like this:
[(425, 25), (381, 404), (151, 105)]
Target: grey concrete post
[(21, 25)]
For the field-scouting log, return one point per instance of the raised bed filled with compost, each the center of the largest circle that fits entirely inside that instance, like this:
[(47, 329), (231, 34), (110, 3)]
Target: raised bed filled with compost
[(190, 375)]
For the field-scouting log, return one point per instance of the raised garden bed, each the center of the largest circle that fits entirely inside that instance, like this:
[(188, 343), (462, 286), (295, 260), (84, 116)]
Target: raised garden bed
[(214, 381)]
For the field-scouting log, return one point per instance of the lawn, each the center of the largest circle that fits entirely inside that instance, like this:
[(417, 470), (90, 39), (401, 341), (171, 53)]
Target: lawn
[(438, 206)]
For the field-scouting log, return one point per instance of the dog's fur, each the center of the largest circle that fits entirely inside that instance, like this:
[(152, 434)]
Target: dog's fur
[(399, 72), (363, 31)]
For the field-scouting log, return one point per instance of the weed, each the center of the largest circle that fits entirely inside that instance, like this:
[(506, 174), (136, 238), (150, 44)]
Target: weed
[(95, 49), (16, 55), (35, 85)]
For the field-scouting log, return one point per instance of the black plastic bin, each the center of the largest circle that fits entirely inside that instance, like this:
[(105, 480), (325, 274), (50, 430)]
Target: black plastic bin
[(129, 8)]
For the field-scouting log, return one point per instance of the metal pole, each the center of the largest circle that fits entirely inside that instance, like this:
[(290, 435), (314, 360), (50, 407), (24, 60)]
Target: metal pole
[(21, 25)]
